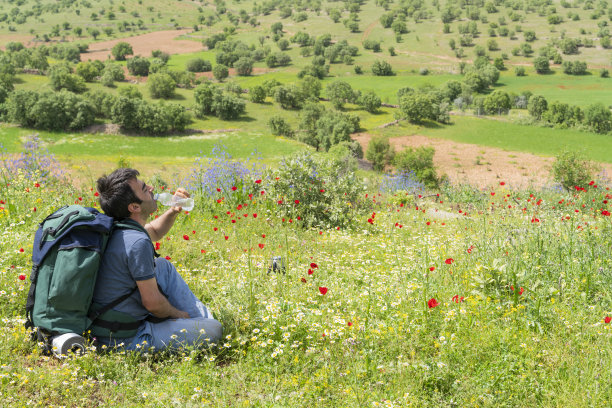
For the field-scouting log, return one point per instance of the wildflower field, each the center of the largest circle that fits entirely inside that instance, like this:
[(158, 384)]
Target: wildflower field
[(387, 295)]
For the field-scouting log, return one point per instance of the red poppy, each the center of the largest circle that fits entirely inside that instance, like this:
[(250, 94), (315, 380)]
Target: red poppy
[(605, 213), (322, 290), (168, 258), (202, 251), (349, 324), (432, 303), (501, 183), (322, 191), (492, 193), (157, 246), (314, 265), (310, 271), (303, 280), (234, 188), (261, 246), (607, 319), (186, 237), (432, 268), (257, 181), (226, 237), (255, 215), (239, 207), (297, 202), (215, 228), (233, 221), (457, 299), (96, 194), (22, 277), (449, 261), (218, 190), (280, 202), (21, 250), (263, 235), (371, 221)]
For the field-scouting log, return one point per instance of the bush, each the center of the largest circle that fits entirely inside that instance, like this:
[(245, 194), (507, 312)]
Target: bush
[(419, 161), (138, 66), (380, 152), (210, 100), (257, 94), (339, 93), (382, 68), (571, 170), (370, 102), (497, 102), (279, 126), (323, 192), (519, 71), (332, 128), (161, 85), (55, 111), (87, 70), (537, 106), (598, 117), (121, 50), (244, 66), (198, 65), (220, 72), (130, 91), (60, 77), (288, 96), (114, 71)]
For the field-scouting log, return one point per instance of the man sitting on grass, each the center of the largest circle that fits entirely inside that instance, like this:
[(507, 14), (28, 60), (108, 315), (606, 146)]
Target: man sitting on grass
[(129, 266)]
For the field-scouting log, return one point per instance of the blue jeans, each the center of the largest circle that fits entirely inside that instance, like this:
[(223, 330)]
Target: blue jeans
[(199, 330)]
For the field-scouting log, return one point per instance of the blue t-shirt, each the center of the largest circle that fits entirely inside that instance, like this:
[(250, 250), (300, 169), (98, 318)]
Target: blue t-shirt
[(129, 257)]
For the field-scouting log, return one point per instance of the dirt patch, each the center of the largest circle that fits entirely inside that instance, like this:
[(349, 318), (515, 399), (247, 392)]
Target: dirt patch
[(478, 165), (143, 45)]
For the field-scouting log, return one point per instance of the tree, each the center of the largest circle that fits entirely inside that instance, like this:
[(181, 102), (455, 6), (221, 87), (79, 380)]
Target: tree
[(537, 106), (198, 65), (419, 162), (121, 50), (380, 152), (598, 117), (220, 72), (333, 128), (244, 66), (339, 93), (60, 77), (228, 107), (279, 126), (161, 85), (382, 68), (417, 107), (138, 66), (310, 87), (497, 102), (124, 112), (541, 65), (204, 95), (370, 102), (289, 97), (87, 70), (257, 94)]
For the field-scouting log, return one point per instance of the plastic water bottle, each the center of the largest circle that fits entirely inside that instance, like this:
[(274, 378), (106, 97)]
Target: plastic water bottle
[(170, 200)]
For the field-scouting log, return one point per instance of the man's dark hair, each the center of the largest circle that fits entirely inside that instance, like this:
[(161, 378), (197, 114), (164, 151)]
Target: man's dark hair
[(116, 194)]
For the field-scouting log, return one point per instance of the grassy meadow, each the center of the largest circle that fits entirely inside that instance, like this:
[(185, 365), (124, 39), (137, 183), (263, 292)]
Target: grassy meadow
[(460, 296), (469, 298)]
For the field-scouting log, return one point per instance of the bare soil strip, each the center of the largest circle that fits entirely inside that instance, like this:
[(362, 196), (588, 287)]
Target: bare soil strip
[(145, 43), (480, 166)]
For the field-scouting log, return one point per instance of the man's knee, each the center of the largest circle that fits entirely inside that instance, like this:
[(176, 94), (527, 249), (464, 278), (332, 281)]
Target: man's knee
[(214, 331)]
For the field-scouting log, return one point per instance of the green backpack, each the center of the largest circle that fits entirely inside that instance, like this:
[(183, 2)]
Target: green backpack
[(68, 248)]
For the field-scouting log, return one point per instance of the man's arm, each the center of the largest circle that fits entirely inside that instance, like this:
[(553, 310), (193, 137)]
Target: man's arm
[(161, 225), (156, 303)]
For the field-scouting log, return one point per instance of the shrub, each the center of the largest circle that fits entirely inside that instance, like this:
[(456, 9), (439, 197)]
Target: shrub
[(419, 162), (279, 126), (114, 71), (571, 170), (382, 68), (121, 50), (497, 102), (598, 117), (198, 65), (138, 66), (380, 152), (257, 94), (60, 77), (220, 72), (244, 66), (332, 128), (339, 93), (288, 96), (161, 85), (210, 100), (87, 70), (537, 106), (61, 110), (370, 101), (323, 192), (519, 71)]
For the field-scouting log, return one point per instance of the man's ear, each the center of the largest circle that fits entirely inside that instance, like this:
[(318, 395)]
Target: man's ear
[(134, 208)]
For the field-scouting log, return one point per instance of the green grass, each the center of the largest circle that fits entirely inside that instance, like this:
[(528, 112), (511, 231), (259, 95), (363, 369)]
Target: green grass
[(518, 321), (514, 137)]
